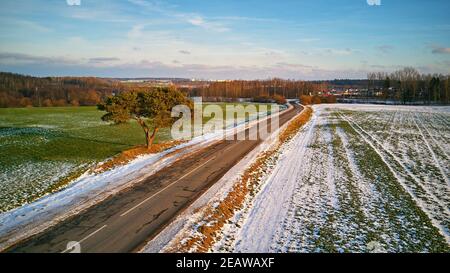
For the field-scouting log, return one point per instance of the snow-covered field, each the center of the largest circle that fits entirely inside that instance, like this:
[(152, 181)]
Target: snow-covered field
[(357, 178)]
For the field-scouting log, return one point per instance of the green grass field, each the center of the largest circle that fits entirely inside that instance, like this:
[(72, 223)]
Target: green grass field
[(40, 147)]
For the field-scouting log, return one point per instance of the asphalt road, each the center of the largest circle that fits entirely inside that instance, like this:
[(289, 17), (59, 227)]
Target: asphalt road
[(125, 221)]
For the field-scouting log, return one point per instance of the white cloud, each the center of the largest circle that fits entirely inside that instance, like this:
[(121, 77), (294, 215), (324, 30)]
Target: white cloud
[(199, 21), (190, 18), (249, 19), (196, 21), (136, 31)]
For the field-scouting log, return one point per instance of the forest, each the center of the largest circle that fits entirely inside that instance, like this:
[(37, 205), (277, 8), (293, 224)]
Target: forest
[(257, 88), (408, 86), (405, 86), (26, 91)]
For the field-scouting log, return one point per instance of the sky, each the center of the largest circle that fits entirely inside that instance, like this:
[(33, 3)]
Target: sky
[(218, 39)]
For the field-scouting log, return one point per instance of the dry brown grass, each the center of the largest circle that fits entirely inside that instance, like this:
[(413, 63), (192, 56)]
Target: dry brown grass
[(215, 217), (130, 154), (116, 161)]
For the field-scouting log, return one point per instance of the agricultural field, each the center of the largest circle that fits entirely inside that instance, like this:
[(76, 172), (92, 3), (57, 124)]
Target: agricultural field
[(357, 178), (42, 149)]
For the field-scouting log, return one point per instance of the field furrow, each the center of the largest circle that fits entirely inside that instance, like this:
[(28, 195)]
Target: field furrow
[(367, 181)]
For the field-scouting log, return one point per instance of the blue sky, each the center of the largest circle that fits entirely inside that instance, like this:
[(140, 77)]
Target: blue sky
[(211, 39)]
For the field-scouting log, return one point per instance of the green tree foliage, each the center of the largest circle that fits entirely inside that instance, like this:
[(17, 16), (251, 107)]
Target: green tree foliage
[(145, 106)]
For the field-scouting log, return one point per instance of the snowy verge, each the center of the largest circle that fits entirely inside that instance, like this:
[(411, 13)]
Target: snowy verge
[(257, 221), (90, 189)]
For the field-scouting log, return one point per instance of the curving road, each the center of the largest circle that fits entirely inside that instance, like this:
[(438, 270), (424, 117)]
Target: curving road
[(125, 221)]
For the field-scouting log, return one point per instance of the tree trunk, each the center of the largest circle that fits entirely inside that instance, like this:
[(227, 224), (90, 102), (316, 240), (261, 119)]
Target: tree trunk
[(151, 138), (148, 138), (147, 142)]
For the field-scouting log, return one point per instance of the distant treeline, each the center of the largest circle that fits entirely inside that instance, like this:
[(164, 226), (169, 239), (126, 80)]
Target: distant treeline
[(408, 86), (257, 88), (23, 91), (344, 83)]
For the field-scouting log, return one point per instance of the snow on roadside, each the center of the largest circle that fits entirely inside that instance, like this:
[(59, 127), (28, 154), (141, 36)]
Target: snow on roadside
[(272, 202), (87, 190)]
